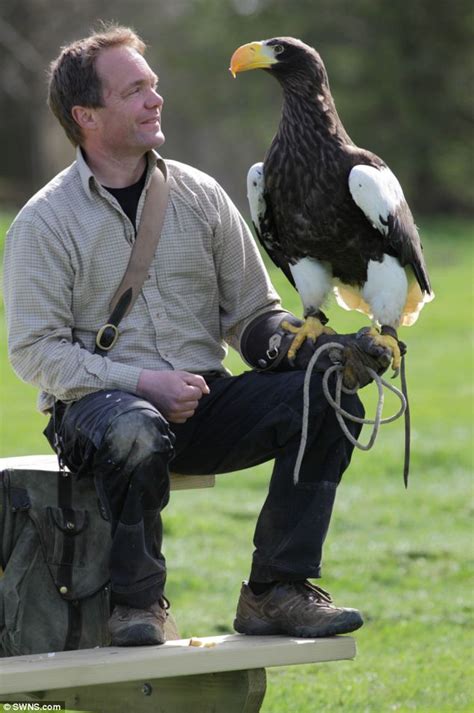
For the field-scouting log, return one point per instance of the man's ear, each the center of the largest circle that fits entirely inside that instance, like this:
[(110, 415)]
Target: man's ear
[(85, 117)]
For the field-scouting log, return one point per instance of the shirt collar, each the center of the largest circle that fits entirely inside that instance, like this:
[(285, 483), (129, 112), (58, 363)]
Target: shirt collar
[(86, 175), (154, 159)]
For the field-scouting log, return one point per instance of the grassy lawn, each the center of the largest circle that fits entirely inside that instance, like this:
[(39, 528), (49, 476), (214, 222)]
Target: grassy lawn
[(403, 557)]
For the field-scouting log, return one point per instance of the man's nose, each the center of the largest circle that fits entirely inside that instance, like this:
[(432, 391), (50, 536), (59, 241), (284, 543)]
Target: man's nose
[(155, 99)]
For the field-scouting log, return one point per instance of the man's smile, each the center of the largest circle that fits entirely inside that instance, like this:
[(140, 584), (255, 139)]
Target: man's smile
[(152, 121)]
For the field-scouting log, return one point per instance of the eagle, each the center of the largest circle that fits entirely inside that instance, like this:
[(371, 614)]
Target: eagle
[(331, 215)]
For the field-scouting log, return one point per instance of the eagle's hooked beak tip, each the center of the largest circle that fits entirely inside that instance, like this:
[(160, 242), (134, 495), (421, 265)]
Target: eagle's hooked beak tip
[(234, 74)]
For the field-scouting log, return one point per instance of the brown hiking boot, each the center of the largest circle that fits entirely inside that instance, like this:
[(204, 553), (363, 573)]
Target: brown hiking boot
[(293, 609), (138, 627)]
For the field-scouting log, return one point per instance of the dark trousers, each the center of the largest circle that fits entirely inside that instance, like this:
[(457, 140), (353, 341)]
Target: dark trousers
[(127, 446)]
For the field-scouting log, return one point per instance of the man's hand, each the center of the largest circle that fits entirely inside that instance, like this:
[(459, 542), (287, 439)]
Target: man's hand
[(363, 353), (175, 393)]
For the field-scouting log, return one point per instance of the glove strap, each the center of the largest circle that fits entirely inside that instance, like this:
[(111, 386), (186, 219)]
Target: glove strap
[(264, 343)]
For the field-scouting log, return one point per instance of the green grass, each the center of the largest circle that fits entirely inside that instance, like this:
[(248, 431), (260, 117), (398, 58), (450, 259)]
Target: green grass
[(403, 557)]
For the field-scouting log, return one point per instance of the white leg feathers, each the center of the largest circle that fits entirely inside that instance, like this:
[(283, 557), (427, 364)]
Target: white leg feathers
[(313, 281), (386, 290)]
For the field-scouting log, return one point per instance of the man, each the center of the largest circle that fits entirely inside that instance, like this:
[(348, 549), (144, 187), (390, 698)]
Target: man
[(161, 392)]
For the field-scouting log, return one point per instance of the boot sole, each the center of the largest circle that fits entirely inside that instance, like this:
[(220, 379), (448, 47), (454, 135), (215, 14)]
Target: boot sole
[(138, 636), (259, 627)]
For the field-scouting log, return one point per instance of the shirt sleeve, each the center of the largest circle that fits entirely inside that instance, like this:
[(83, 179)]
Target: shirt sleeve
[(244, 284), (38, 291)]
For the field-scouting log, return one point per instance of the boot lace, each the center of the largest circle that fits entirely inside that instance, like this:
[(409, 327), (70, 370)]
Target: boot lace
[(313, 593)]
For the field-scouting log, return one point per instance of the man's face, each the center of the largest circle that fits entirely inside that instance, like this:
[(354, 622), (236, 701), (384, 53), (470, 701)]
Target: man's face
[(130, 120)]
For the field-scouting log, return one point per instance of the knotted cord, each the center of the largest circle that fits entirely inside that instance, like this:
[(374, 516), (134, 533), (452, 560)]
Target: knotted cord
[(342, 414)]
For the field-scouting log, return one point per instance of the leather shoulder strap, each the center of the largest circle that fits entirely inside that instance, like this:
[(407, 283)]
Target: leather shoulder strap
[(144, 248), (147, 239)]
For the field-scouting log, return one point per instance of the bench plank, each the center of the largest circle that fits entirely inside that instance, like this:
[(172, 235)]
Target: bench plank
[(50, 463), (233, 652), (226, 692)]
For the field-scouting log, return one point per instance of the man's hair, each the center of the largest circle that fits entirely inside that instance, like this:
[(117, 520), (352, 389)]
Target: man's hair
[(73, 80)]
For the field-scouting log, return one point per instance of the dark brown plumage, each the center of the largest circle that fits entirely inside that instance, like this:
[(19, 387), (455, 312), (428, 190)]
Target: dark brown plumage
[(331, 214), (306, 171)]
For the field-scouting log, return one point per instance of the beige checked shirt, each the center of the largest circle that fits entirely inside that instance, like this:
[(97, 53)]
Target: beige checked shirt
[(66, 253)]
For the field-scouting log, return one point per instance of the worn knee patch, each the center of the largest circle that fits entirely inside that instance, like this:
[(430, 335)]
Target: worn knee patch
[(136, 436), (132, 465)]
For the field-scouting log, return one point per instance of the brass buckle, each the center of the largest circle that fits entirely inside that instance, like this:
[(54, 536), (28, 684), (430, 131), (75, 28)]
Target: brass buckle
[(113, 339)]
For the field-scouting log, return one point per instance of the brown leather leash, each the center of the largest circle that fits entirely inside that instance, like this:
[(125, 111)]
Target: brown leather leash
[(403, 384)]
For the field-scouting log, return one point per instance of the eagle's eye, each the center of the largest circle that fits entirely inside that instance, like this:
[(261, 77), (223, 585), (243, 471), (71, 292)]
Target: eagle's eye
[(278, 49)]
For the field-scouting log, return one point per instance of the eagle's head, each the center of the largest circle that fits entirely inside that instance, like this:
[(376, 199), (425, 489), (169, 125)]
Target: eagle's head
[(288, 59)]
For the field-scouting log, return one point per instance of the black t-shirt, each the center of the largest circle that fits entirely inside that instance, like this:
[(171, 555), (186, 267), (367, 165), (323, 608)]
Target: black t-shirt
[(129, 196)]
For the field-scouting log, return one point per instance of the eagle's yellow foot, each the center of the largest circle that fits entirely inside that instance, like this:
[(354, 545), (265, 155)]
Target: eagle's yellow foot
[(386, 340), (312, 328)]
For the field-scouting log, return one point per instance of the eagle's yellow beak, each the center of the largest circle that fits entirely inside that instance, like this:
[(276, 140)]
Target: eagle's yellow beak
[(254, 55)]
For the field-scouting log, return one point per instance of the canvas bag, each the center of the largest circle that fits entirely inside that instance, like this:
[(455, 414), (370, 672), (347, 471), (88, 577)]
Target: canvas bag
[(54, 550)]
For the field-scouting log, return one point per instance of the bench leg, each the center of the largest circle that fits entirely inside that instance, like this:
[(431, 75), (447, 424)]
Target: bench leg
[(226, 691)]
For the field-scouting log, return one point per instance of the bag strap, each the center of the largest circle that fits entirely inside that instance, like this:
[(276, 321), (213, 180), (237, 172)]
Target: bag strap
[(144, 248)]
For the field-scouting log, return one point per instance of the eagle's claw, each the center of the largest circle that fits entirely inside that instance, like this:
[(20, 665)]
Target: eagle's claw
[(387, 341), (312, 328)]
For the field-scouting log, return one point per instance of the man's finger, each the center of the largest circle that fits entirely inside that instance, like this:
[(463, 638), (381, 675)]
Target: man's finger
[(180, 416), (198, 381), (185, 405), (190, 392)]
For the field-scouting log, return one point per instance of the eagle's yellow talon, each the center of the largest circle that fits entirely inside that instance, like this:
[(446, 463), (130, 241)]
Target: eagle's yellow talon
[(312, 328), (290, 327), (390, 342)]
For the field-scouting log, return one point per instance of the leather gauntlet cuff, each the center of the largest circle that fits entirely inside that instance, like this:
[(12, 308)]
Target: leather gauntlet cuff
[(264, 344)]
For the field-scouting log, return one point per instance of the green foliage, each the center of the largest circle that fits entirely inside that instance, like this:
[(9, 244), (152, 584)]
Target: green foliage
[(399, 71), (403, 557)]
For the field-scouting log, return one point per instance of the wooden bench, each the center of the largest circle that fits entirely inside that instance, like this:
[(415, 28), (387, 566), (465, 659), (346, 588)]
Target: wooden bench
[(206, 675), (225, 674), (50, 463)]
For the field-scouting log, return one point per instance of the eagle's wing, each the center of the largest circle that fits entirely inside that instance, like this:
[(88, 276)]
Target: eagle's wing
[(262, 219), (377, 192)]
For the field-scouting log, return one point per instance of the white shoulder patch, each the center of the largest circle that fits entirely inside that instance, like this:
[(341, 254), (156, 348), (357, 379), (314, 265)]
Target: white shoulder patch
[(377, 192), (255, 187)]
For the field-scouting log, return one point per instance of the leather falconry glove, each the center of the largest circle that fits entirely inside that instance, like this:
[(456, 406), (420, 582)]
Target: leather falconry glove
[(265, 343)]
